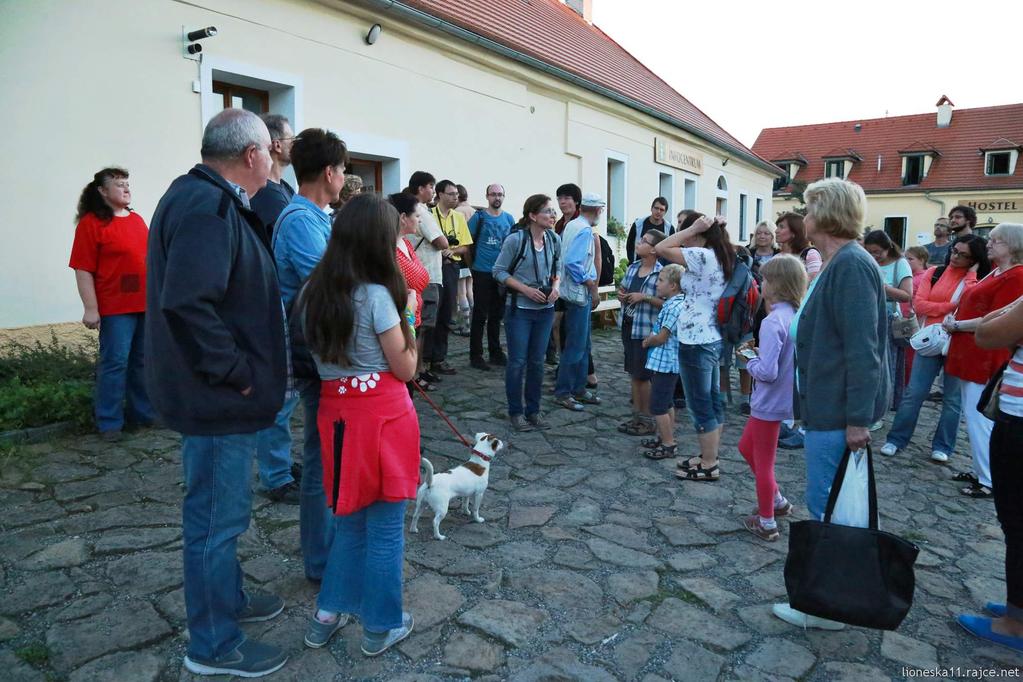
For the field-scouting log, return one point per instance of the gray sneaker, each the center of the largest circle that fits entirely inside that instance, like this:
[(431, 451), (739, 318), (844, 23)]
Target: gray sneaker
[(538, 421), (261, 606), (319, 633), (376, 643), (587, 398), (250, 659), (520, 424)]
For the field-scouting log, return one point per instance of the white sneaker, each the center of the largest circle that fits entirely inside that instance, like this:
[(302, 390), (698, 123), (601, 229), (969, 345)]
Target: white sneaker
[(804, 620), (939, 456), (888, 450)]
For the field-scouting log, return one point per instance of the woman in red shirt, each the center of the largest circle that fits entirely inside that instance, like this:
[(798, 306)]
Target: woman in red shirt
[(109, 260), (975, 365), (416, 276)]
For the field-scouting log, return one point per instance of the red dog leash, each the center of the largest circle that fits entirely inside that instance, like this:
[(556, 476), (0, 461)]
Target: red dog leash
[(443, 416)]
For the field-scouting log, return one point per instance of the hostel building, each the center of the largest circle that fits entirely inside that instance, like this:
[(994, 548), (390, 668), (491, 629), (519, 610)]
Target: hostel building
[(913, 168), (532, 95)]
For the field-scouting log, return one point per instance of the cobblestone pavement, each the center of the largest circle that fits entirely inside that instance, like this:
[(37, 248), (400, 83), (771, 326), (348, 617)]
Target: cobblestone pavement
[(593, 563)]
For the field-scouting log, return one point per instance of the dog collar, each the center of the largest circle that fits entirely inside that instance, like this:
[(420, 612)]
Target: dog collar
[(485, 458)]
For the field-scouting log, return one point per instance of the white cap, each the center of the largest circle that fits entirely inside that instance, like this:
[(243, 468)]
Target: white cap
[(592, 200)]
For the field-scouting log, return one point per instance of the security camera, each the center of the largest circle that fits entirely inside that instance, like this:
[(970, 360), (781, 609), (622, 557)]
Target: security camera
[(201, 33)]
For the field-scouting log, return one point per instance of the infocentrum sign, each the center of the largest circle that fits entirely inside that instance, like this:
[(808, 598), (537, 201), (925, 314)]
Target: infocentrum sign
[(672, 154), (995, 204)]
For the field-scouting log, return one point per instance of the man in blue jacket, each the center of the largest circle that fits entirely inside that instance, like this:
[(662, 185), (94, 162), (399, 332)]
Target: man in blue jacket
[(579, 292), (216, 370)]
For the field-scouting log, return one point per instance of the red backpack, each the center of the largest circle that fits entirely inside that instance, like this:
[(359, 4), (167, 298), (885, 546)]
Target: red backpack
[(738, 304)]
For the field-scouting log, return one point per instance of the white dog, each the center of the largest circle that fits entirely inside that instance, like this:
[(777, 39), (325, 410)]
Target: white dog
[(466, 480)]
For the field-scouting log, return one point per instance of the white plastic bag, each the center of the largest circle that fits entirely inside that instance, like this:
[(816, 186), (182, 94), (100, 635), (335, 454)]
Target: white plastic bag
[(853, 506)]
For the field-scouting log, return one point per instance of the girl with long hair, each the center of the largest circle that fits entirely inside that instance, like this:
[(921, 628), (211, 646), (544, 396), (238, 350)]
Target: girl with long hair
[(358, 319), (702, 247), (109, 260)]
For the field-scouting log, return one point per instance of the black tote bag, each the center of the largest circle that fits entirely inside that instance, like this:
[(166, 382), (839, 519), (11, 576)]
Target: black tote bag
[(859, 576)]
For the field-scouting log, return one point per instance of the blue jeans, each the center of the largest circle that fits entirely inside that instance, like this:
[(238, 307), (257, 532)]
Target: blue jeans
[(700, 368), (925, 369), (273, 449), (363, 575), (120, 373), (824, 450), (575, 356), (315, 519), (215, 511), (527, 332)]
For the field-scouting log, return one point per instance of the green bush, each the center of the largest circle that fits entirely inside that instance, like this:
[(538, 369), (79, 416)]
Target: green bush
[(45, 383)]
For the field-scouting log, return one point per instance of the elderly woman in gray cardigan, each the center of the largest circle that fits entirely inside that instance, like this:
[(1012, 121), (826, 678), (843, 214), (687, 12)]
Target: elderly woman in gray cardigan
[(840, 331)]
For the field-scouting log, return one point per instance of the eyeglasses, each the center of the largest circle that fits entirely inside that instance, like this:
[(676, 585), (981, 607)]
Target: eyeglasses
[(450, 194), (495, 194)]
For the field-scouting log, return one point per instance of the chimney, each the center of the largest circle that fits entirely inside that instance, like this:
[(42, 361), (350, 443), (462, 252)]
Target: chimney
[(583, 8), (944, 112)]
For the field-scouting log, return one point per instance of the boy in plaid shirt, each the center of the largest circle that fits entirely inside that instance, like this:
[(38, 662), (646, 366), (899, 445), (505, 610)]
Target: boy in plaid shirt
[(662, 360)]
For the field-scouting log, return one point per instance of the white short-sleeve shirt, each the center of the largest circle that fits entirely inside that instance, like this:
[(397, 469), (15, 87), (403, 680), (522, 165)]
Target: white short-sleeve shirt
[(703, 282)]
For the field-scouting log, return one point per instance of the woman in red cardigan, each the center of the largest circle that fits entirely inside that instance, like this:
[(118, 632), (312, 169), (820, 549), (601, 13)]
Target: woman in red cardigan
[(416, 276), (974, 365)]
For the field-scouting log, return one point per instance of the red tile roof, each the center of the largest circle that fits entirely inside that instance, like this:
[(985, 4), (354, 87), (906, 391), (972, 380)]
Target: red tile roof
[(553, 33), (958, 165)]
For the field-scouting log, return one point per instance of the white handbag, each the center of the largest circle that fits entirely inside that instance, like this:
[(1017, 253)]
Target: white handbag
[(933, 340)]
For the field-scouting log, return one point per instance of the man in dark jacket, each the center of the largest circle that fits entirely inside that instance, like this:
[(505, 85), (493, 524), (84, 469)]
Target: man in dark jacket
[(217, 369)]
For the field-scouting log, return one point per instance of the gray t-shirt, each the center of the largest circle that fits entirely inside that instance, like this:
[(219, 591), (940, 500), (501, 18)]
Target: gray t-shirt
[(374, 314), (534, 269)]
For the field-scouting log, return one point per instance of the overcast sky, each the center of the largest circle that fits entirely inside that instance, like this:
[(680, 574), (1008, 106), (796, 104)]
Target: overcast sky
[(751, 65)]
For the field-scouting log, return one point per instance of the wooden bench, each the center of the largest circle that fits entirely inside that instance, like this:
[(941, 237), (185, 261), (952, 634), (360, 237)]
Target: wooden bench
[(607, 310)]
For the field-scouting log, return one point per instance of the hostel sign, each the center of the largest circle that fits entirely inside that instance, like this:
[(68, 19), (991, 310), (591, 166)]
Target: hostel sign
[(675, 155), (995, 204)]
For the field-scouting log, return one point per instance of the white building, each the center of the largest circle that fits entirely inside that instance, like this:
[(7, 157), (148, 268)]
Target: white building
[(528, 94)]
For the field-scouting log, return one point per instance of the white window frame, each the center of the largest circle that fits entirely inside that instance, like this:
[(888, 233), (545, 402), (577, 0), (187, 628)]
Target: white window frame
[(905, 234), (670, 194), (758, 210), (905, 168), (285, 91), (721, 194), (1013, 157), (743, 217), (694, 182), (620, 157), (828, 165)]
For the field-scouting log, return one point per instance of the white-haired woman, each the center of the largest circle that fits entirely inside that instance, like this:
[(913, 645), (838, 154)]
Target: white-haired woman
[(974, 365)]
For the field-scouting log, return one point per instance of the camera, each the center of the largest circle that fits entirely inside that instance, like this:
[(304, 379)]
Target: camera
[(546, 290), (452, 240)]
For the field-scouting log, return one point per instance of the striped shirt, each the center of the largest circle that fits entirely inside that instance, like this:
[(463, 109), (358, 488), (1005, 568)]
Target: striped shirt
[(664, 358), (1010, 398), (642, 314)]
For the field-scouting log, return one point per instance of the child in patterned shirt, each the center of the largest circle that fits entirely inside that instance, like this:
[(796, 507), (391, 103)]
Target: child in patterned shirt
[(662, 360)]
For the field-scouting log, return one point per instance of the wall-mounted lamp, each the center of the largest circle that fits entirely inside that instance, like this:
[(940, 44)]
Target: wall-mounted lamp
[(374, 33), (189, 40), (725, 162)]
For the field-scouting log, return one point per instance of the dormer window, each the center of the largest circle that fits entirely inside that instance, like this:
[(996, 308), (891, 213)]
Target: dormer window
[(913, 170), (834, 169), (1000, 157), (783, 182), (998, 163)]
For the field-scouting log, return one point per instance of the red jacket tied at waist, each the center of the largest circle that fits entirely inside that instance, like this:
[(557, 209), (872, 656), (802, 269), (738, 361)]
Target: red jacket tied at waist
[(369, 441)]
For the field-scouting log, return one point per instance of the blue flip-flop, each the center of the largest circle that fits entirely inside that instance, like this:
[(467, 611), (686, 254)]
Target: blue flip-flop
[(995, 609), (980, 626)]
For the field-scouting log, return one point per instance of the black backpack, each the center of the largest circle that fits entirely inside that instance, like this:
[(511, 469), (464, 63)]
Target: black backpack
[(607, 264)]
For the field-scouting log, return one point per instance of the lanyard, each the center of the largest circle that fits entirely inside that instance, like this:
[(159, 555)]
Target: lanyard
[(546, 259), (440, 222)]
